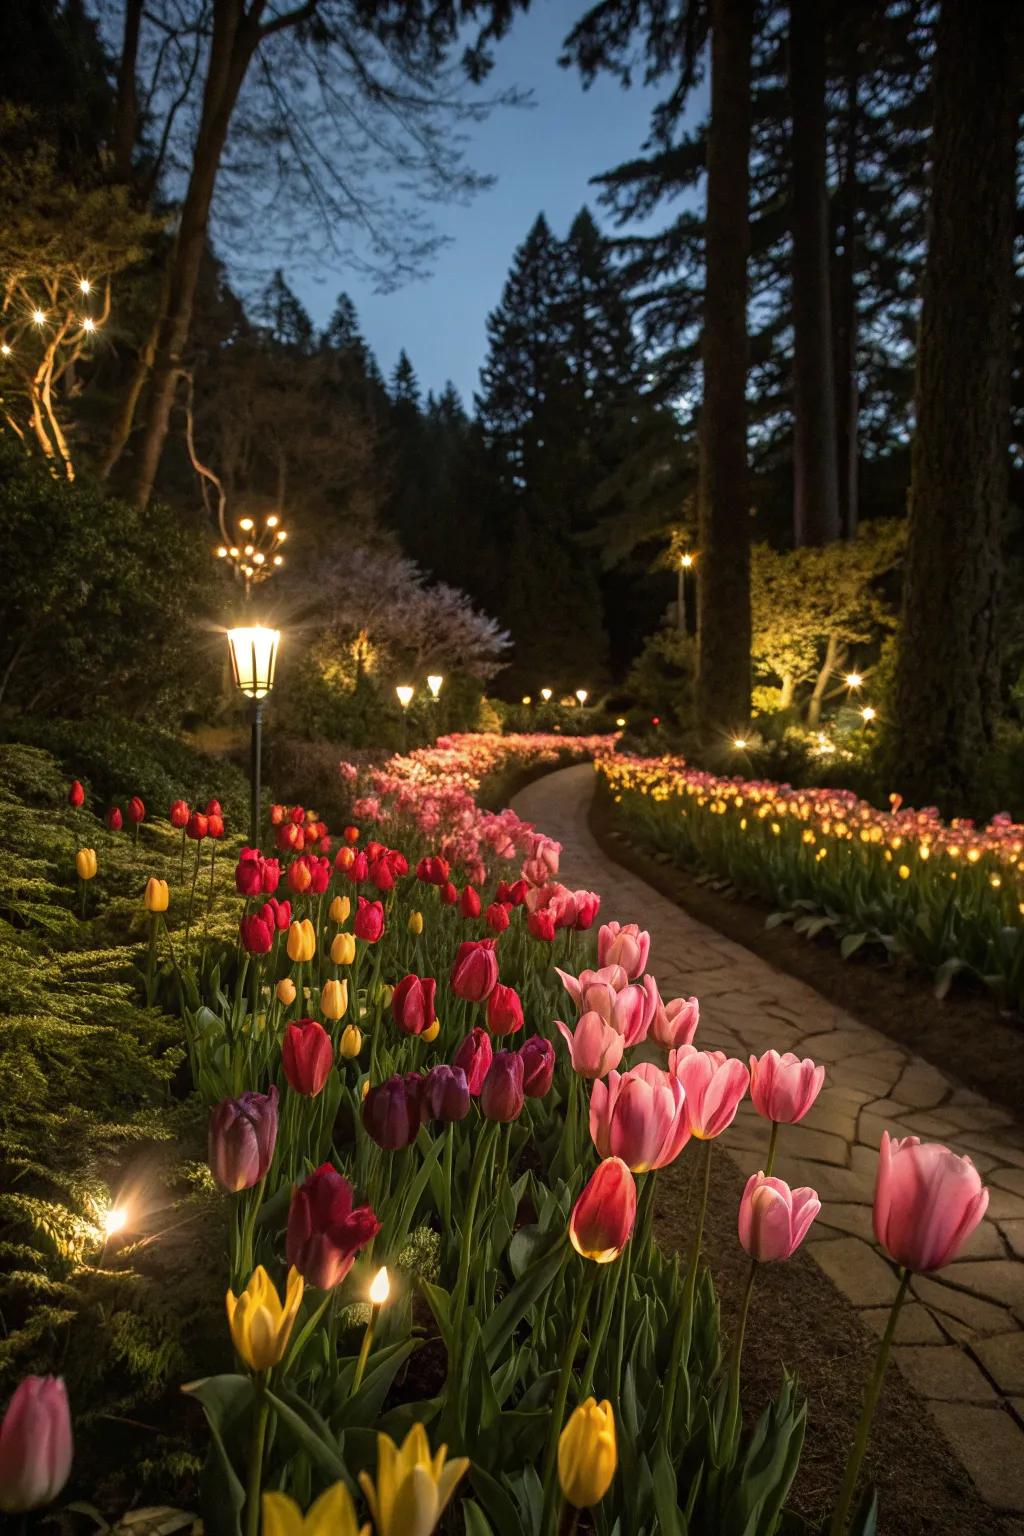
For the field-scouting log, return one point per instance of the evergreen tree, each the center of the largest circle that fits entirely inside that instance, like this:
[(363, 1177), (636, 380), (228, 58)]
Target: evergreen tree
[(283, 316)]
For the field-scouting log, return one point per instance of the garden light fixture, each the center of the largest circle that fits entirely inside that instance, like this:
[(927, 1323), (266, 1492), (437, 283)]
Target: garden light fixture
[(853, 679), (868, 713), (434, 683), (545, 694), (581, 694), (253, 662), (405, 694), (740, 743)]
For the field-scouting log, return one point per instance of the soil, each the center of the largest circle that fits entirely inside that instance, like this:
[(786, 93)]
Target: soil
[(965, 1034), (798, 1320)]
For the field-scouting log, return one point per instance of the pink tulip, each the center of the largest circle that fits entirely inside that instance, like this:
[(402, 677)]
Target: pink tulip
[(35, 1445), (594, 985), (623, 944), (783, 1088), (588, 904), (675, 1023), (632, 1012), (714, 1087), (639, 1116), (928, 1201), (594, 1047), (774, 1219)]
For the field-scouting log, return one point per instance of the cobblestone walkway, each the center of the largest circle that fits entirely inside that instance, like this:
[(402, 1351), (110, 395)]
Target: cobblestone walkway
[(960, 1341)]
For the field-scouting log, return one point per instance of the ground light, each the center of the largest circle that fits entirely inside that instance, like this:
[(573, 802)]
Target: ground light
[(545, 694), (853, 679), (581, 694), (868, 713), (253, 663)]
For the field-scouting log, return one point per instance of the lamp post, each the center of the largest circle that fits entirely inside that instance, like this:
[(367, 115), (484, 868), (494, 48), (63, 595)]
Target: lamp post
[(685, 563), (434, 683), (545, 694), (253, 660), (581, 695), (404, 693)]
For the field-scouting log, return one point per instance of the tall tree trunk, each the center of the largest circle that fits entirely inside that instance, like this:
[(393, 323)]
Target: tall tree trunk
[(815, 480), (723, 594), (844, 310), (947, 672), (126, 114), (234, 39)]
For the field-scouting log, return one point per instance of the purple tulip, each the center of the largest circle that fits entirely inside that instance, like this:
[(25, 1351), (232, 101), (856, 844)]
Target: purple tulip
[(391, 1111), (538, 1057), (501, 1097), (242, 1136), (446, 1094)]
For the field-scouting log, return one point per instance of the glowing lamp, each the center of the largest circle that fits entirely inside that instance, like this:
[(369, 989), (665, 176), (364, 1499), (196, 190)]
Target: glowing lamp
[(434, 682), (89, 324), (527, 699), (5, 350), (246, 523), (868, 713), (853, 679), (380, 1288), (39, 316), (545, 694), (233, 551), (404, 693), (281, 534), (279, 559), (740, 743), (581, 694), (253, 661), (250, 549), (620, 722), (115, 1221), (686, 561), (85, 285), (258, 558), (222, 552), (273, 520)]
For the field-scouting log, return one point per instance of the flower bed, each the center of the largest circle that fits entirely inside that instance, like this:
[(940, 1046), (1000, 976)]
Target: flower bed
[(948, 896), (437, 1116)]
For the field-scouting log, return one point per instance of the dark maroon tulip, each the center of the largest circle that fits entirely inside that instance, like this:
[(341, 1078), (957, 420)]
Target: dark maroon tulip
[(391, 1111), (325, 1232), (501, 1097), (538, 1066), (446, 1094), (242, 1136)]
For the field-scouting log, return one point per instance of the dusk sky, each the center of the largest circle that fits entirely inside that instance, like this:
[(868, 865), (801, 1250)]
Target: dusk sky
[(543, 157)]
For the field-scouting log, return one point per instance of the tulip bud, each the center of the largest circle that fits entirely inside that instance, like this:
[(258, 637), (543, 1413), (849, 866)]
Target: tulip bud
[(179, 814), (260, 1325), (114, 819), (343, 949), (587, 1455), (156, 895), (299, 877), (783, 1088), (76, 794), (301, 941), (501, 1097), (446, 1094), (602, 1218), (325, 1232), (497, 917), (196, 827), (307, 1056), (469, 902), (474, 1056), (432, 1033), (449, 894), (416, 923), (369, 920), (381, 875), (351, 1042), (85, 863), (588, 904), (339, 909), (412, 1004), (504, 1011), (351, 834), (344, 859), (432, 871), (928, 1201), (136, 810), (242, 1137), (541, 924), (35, 1445), (256, 933), (538, 1066), (774, 1219), (285, 991), (359, 869), (391, 1111), (475, 971), (334, 999), (215, 827)]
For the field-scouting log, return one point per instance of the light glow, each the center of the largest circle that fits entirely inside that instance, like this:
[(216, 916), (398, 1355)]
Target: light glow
[(868, 713), (545, 694), (686, 561), (434, 683), (582, 695), (273, 520), (380, 1288), (254, 658), (405, 694), (39, 316), (245, 523), (85, 286), (115, 1220), (853, 679), (89, 324), (740, 743)]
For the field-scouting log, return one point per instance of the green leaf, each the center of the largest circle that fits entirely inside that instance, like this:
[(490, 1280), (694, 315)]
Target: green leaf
[(477, 1523), (313, 1436), (850, 943)]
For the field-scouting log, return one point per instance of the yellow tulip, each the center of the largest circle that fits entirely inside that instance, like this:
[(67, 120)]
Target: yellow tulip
[(385, 994), (285, 990), (332, 1514), (365, 1088), (260, 1325), (85, 863), (587, 1454), (413, 1487), (334, 999), (343, 950), (157, 895), (339, 909), (416, 923), (432, 1032), (351, 1042), (301, 940)]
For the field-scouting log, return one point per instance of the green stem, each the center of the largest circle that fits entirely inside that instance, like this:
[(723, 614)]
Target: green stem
[(465, 1254), (256, 1444), (732, 1412), (611, 1280), (151, 958), (856, 1457), (684, 1322), (192, 897), (773, 1142), (364, 1351), (562, 1392)]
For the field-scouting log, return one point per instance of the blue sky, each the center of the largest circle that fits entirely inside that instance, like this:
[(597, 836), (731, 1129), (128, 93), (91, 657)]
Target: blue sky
[(543, 157)]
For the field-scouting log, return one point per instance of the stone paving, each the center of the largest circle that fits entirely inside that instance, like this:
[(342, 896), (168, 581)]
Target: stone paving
[(960, 1340)]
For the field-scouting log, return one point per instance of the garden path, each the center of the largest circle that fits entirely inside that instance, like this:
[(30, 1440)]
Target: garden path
[(960, 1340)]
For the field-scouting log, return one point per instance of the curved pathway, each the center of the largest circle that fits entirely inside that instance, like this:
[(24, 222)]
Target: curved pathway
[(960, 1341)]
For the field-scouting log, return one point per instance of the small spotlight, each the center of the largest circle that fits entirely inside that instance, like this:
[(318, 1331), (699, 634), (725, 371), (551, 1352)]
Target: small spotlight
[(115, 1221), (249, 548), (85, 286), (222, 552), (258, 558), (233, 551), (740, 743), (246, 523), (404, 695), (89, 324), (527, 699), (273, 520), (281, 533), (868, 713), (545, 694), (279, 559), (853, 679), (39, 316), (5, 350), (582, 695), (620, 722)]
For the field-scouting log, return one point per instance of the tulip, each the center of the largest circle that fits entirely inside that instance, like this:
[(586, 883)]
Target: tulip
[(594, 1047), (157, 895), (114, 819), (413, 1487), (301, 941), (501, 1096), (587, 1454), (541, 924), (369, 920), (334, 1000), (256, 933), (307, 1056), (391, 1111), (35, 1445), (343, 949), (325, 1231), (248, 871), (928, 1201), (589, 986), (497, 917), (359, 869), (639, 1116), (469, 902), (626, 945), (783, 1088), (449, 893), (538, 1057), (136, 810), (351, 1042), (412, 1004), (299, 876), (215, 826), (297, 815), (179, 814), (279, 913), (343, 860), (85, 863), (504, 1011), (319, 873), (632, 1010), (774, 1219), (603, 1216), (196, 827), (214, 808), (76, 794), (475, 971), (285, 991), (474, 1056), (588, 904), (446, 1095), (242, 1136), (675, 1023), (260, 1325), (351, 834), (432, 871), (339, 909), (714, 1087), (381, 875), (332, 1514)]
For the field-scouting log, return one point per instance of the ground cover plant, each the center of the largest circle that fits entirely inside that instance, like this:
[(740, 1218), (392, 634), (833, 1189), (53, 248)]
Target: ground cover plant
[(439, 1087)]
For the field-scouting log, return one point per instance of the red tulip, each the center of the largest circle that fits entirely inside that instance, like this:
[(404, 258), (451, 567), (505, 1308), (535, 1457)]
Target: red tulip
[(277, 912), (214, 808), (179, 813), (432, 870), (359, 869), (501, 1094), (257, 934), (381, 875), (325, 1231), (588, 904), (297, 815), (196, 827), (351, 834), (76, 794), (602, 1218), (541, 924), (412, 1004), (114, 819), (449, 893), (215, 826), (290, 838), (504, 1011), (248, 870), (497, 917), (368, 923), (398, 861), (136, 810), (475, 971), (474, 1056), (469, 902), (307, 1056), (538, 1066)]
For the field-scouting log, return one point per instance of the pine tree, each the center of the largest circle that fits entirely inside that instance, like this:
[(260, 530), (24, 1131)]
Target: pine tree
[(283, 315)]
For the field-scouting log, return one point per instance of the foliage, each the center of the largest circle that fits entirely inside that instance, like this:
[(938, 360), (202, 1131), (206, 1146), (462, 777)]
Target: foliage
[(661, 678)]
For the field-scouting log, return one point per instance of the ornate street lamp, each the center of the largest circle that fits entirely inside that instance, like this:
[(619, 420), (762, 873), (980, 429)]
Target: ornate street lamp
[(253, 661)]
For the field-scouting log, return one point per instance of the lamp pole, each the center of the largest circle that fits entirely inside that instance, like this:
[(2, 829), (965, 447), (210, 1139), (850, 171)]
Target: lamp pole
[(253, 660), (255, 760), (685, 562)]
